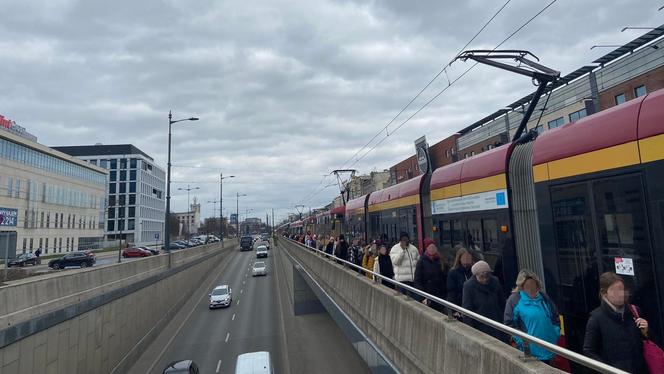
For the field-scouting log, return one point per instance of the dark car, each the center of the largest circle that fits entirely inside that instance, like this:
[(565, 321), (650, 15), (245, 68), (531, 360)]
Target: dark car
[(173, 246), (135, 252), (24, 259), (184, 366), (79, 259), (91, 255), (246, 243), (154, 251)]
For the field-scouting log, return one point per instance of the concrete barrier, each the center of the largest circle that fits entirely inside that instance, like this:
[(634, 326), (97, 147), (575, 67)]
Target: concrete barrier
[(415, 338), (96, 320)]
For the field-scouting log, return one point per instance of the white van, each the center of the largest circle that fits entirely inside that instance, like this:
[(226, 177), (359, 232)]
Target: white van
[(254, 363)]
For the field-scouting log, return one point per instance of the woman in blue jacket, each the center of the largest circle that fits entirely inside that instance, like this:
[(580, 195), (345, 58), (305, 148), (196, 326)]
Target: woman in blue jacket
[(533, 312)]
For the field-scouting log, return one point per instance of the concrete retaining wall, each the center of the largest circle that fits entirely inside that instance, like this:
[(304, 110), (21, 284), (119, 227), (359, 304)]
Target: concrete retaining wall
[(414, 337), (96, 320)]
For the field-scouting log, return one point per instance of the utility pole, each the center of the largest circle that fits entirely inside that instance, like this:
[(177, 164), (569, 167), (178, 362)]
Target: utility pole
[(221, 206), (344, 188), (167, 233), (237, 212), (214, 212), (188, 189), (299, 208)]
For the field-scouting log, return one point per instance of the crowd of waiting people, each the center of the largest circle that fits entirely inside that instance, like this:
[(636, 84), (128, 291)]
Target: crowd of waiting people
[(614, 331)]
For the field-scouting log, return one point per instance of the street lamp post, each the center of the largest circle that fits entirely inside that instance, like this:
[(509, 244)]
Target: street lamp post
[(167, 233), (214, 211), (237, 212), (221, 206), (188, 189)]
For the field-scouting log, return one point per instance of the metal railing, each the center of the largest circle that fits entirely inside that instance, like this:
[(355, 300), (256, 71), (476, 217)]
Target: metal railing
[(570, 355)]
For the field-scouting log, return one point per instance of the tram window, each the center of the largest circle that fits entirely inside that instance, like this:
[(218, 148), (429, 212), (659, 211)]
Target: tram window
[(490, 235), (474, 239), (403, 220), (457, 232), (573, 231), (445, 235), (622, 228), (375, 226)]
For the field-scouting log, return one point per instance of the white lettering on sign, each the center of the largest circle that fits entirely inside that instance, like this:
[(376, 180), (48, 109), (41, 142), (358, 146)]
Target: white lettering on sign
[(480, 201)]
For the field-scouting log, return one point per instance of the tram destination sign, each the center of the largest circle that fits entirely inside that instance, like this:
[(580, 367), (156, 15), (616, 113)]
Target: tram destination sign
[(8, 217), (470, 203)]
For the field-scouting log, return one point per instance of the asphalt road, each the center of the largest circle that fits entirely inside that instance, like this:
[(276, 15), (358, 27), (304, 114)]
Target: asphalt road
[(253, 322), (214, 338)]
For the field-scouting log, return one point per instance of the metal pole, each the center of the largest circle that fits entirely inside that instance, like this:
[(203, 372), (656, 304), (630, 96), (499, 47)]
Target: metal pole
[(221, 209), (237, 214), (6, 255), (188, 211), (167, 231), (120, 249)]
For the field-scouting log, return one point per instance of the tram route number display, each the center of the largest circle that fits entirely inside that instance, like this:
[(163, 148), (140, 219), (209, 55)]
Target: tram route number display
[(470, 203), (624, 266)]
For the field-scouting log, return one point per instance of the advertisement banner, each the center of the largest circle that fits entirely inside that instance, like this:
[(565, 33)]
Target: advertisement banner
[(480, 201), (8, 217)]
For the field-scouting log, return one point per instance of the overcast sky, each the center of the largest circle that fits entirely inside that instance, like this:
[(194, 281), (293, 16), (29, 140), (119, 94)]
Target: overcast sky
[(286, 91)]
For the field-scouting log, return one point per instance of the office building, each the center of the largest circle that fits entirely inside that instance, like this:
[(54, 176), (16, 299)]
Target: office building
[(48, 199), (135, 205)]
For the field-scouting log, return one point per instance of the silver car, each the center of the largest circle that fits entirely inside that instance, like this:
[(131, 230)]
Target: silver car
[(221, 296), (260, 268)]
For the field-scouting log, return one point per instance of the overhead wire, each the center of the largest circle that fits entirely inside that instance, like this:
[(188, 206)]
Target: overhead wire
[(443, 70), (385, 128), (433, 98)]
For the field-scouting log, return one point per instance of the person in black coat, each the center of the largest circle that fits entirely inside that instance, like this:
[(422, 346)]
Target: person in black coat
[(459, 274), (431, 275), (383, 264), (483, 294), (341, 251), (613, 334), (329, 248)]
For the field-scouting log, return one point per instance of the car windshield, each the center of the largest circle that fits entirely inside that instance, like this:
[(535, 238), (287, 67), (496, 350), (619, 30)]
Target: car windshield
[(259, 265), (261, 248), (220, 292)]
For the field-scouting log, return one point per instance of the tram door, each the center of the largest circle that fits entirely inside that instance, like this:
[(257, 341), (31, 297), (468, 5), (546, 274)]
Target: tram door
[(599, 226)]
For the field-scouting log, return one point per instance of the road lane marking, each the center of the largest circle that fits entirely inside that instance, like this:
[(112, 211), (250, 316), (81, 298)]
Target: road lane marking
[(233, 319), (228, 335), (242, 282), (184, 321), (218, 366), (241, 290), (238, 302)]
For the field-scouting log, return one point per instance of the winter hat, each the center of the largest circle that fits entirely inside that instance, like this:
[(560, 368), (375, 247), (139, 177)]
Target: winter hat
[(428, 242), (480, 267)]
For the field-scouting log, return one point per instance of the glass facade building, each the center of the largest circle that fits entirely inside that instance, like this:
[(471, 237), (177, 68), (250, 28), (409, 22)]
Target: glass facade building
[(58, 199), (135, 202)]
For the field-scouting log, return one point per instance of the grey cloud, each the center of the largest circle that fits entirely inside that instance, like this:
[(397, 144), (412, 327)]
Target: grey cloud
[(286, 91)]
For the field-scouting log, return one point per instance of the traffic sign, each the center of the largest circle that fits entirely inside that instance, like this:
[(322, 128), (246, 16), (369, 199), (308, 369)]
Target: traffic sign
[(156, 236)]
